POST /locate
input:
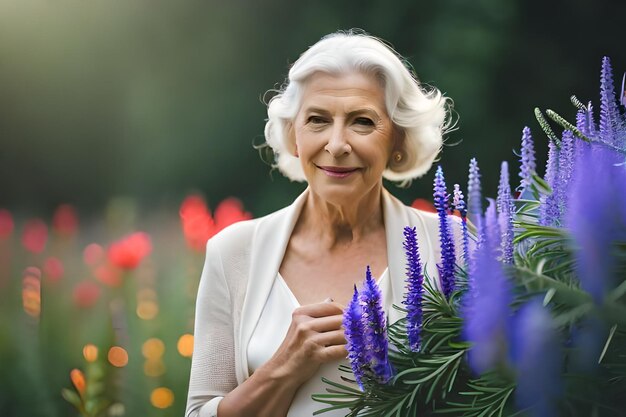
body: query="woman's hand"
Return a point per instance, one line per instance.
(314, 337)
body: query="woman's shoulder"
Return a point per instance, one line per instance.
(240, 236)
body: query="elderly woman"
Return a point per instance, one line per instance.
(269, 306)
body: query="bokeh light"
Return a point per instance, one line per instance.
(185, 345)
(65, 220)
(6, 223)
(108, 275)
(147, 305)
(86, 294)
(116, 410)
(53, 269)
(78, 379)
(162, 397)
(153, 348)
(35, 236)
(93, 254)
(118, 356)
(154, 367)
(147, 310)
(90, 352)
(31, 291)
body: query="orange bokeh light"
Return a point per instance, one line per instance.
(118, 357)
(185, 345)
(78, 379)
(90, 352)
(153, 348)
(162, 397)
(147, 310)
(31, 291)
(154, 368)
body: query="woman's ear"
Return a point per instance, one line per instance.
(398, 153)
(291, 139)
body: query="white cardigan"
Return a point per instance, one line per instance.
(241, 264)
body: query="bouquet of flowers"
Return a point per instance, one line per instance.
(530, 319)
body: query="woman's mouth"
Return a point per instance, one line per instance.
(338, 172)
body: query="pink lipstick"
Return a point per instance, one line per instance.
(338, 172)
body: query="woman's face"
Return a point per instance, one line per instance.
(343, 136)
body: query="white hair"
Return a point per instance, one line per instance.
(419, 113)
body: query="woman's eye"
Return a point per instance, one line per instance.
(316, 120)
(364, 121)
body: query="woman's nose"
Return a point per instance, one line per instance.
(337, 144)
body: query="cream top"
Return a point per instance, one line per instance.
(271, 330)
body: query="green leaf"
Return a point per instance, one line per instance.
(72, 397)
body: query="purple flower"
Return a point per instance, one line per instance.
(609, 114)
(486, 306)
(491, 234)
(505, 214)
(375, 333)
(597, 218)
(537, 359)
(448, 257)
(527, 160)
(474, 194)
(549, 209)
(353, 324)
(566, 169)
(459, 204)
(415, 289)
(591, 124)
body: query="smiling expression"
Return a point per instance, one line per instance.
(343, 136)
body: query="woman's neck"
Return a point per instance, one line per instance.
(340, 224)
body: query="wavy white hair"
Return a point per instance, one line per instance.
(419, 113)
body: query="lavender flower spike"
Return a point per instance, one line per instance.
(549, 209)
(375, 333)
(505, 214)
(459, 204)
(537, 358)
(566, 170)
(415, 289)
(353, 323)
(609, 114)
(527, 160)
(448, 257)
(474, 194)
(486, 310)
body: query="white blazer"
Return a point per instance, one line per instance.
(241, 264)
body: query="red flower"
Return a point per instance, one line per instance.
(53, 269)
(35, 236)
(228, 212)
(108, 275)
(128, 252)
(86, 294)
(424, 205)
(198, 224)
(65, 220)
(6, 223)
(93, 254)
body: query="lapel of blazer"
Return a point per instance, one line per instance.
(267, 251)
(396, 218)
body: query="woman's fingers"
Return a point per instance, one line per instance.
(335, 337)
(320, 309)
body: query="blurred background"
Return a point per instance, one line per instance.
(123, 110)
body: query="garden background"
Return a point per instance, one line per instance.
(112, 114)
